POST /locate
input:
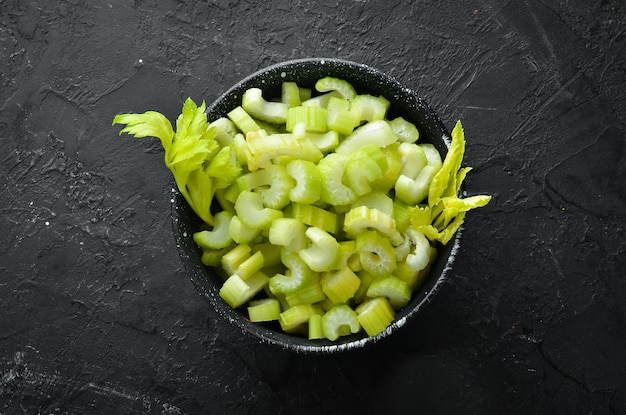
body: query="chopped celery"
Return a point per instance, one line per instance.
(323, 252)
(340, 118)
(378, 133)
(315, 327)
(348, 256)
(413, 159)
(297, 315)
(341, 320)
(333, 190)
(376, 253)
(233, 258)
(377, 200)
(340, 285)
(298, 275)
(375, 315)
(264, 309)
(243, 120)
(277, 195)
(315, 216)
(251, 265)
(406, 131)
(219, 236)
(290, 94)
(310, 294)
(365, 165)
(225, 131)
(308, 181)
(213, 257)
(362, 218)
(236, 291)
(273, 112)
(263, 149)
(250, 209)
(320, 100)
(397, 291)
(366, 279)
(242, 233)
(328, 83)
(314, 118)
(288, 232)
(370, 107)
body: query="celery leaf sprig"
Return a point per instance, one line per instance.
(445, 211)
(198, 163)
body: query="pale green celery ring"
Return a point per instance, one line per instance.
(404, 102)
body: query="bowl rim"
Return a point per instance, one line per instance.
(195, 269)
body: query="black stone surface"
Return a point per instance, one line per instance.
(97, 315)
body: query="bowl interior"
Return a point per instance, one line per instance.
(305, 72)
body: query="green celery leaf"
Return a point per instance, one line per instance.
(148, 124)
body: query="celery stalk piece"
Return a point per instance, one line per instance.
(403, 248)
(397, 291)
(401, 215)
(290, 94)
(370, 107)
(314, 118)
(361, 218)
(315, 216)
(298, 275)
(343, 87)
(323, 252)
(308, 181)
(365, 165)
(419, 258)
(340, 118)
(264, 149)
(394, 167)
(233, 258)
(244, 122)
(320, 100)
(289, 233)
(433, 158)
(273, 112)
(348, 256)
(339, 321)
(406, 131)
(376, 253)
(414, 279)
(295, 316)
(213, 257)
(340, 286)
(251, 265)
(264, 309)
(242, 233)
(376, 200)
(277, 195)
(225, 131)
(325, 142)
(315, 327)
(412, 191)
(310, 294)
(222, 200)
(413, 159)
(250, 209)
(271, 255)
(366, 279)
(236, 291)
(240, 145)
(375, 315)
(218, 237)
(378, 133)
(254, 179)
(334, 192)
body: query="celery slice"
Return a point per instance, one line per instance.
(377, 200)
(334, 192)
(406, 131)
(297, 315)
(378, 133)
(233, 258)
(277, 195)
(420, 256)
(263, 149)
(271, 255)
(314, 118)
(323, 252)
(361, 294)
(298, 275)
(264, 309)
(413, 159)
(362, 218)
(401, 215)
(315, 327)
(250, 209)
(412, 191)
(290, 94)
(375, 315)
(315, 216)
(370, 107)
(308, 181)
(242, 233)
(244, 122)
(310, 294)
(433, 158)
(325, 142)
(252, 180)
(213, 257)
(343, 87)
(251, 265)
(219, 236)
(339, 321)
(348, 256)
(376, 253)
(320, 100)
(364, 166)
(236, 291)
(397, 291)
(225, 131)
(340, 286)
(394, 167)
(273, 112)
(340, 118)
(288, 232)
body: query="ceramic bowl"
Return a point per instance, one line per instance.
(404, 102)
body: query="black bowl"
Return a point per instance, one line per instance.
(306, 72)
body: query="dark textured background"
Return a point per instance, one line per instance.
(97, 315)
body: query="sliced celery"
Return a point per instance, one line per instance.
(406, 131)
(263, 149)
(242, 233)
(375, 315)
(366, 279)
(236, 291)
(233, 258)
(343, 87)
(339, 321)
(219, 236)
(314, 118)
(298, 275)
(378, 133)
(250, 209)
(362, 218)
(264, 309)
(315, 327)
(253, 102)
(413, 159)
(364, 166)
(271, 255)
(225, 131)
(397, 291)
(376, 253)
(295, 316)
(315, 216)
(277, 195)
(394, 167)
(243, 120)
(308, 181)
(251, 265)
(323, 252)
(340, 286)
(340, 118)
(403, 247)
(419, 258)
(372, 108)
(213, 257)
(377, 200)
(433, 157)
(290, 94)
(320, 100)
(402, 215)
(334, 192)
(252, 180)
(310, 294)
(348, 256)
(412, 191)
(288, 232)
(325, 142)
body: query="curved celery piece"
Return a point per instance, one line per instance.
(348, 256)
(340, 286)
(277, 195)
(376, 200)
(339, 321)
(298, 315)
(403, 248)
(433, 158)
(375, 315)
(225, 131)
(263, 149)
(333, 191)
(270, 254)
(366, 279)
(213, 257)
(370, 107)
(236, 291)
(264, 309)
(406, 131)
(397, 291)
(250, 209)
(288, 232)
(412, 191)
(273, 112)
(402, 215)
(320, 100)
(419, 258)
(314, 118)
(308, 181)
(242, 233)
(329, 83)
(326, 142)
(378, 133)
(254, 179)
(244, 122)
(310, 294)
(315, 216)
(364, 166)
(218, 237)
(298, 275)
(235, 257)
(340, 118)
(322, 254)
(361, 218)
(413, 159)
(290, 94)
(251, 265)
(376, 253)
(394, 167)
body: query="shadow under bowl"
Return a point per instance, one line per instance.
(305, 72)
